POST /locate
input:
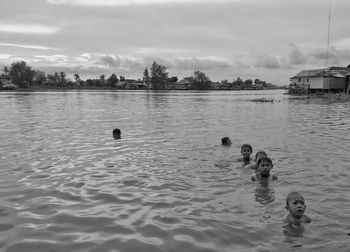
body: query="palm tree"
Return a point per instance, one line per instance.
(77, 79)
(102, 79)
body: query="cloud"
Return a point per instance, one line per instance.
(5, 56)
(335, 55)
(110, 61)
(36, 47)
(60, 59)
(148, 61)
(296, 57)
(342, 43)
(269, 61)
(129, 2)
(27, 29)
(200, 64)
(86, 56)
(125, 63)
(107, 64)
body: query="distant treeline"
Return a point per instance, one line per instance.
(23, 76)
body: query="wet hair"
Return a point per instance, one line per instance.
(258, 153)
(226, 141)
(116, 133)
(266, 159)
(248, 146)
(290, 195)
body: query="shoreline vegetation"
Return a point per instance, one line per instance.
(334, 97)
(20, 76)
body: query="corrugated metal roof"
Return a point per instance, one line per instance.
(308, 73)
(323, 72)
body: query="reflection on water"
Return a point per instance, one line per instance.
(264, 193)
(168, 184)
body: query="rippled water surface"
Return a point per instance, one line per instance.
(168, 184)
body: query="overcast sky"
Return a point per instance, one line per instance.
(266, 39)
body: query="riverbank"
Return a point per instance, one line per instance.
(336, 97)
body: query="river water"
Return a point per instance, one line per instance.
(168, 184)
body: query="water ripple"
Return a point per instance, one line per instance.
(168, 184)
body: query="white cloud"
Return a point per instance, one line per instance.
(269, 61)
(129, 2)
(205, 63)
(29, 46)
(86, 55)
(5, 56)
(159, 51)
(343, 43)
(59, 59)
(296, 57)
(27, 29)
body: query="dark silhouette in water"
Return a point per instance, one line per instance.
(117, 133)
(226, 141)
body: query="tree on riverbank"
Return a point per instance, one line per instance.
(159, 76)
(146, 77)
(21, 74)
(112, 80)
(156, 77)
(199, 80)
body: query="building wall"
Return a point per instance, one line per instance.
(316, 83)
(334, 83)
(320, 82)
(175, 86)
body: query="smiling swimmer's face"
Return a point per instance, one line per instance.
(246, 151)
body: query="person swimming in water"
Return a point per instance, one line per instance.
(117, 133)
(246, 151)
(263, 171)
(226, 141)
(295, 204)
(254, 164)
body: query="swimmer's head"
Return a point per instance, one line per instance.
(226, 141)
(295, 204)
(260, 154)
(264, 166)
(117, 133)
(246, 150)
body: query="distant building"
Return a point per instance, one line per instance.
(183, 84)
(332, 79)
(224, 85)
(6, 83)
(258, 86)
(135, 84)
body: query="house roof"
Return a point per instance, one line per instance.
(183, 81)
(338, 72)
(4, 82)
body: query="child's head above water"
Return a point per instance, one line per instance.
(295, 204)
(264, 166)
(226, 141)
(263, 169)
(246, 150)
(260, 154)
(117, 133)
